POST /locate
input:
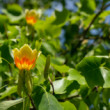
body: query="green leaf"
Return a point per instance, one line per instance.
(61, 17)
(83, 106)
(47, 65)
(88, 6)
(106, 96)
(61, 85)
(45, 28)
(3, 23)
(61, 68)
(75, 75)
(88, 20)
(38, 91)
(49, 48)
(40, 64)
(11, 105)
(0, 60)
(75, 19)
(13, 31)
(53, 31)
(68, 106)
(84, 91)
(90, 69)
(106, 76)
(42, 25)
(6, 53)
(9, 90)
(57, 60)
(13, 18)
(94, 98)
(38, 44)
(14, 9)
(49, 102)
(104, 14)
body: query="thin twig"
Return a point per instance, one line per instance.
(34, 108)
(30, 98)
(95, 89)
(51, 85)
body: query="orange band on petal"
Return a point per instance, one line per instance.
(24, 63)
(31, 20)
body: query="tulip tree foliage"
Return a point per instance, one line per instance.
(55, 55)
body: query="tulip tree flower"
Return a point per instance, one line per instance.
(32, 17)
(25, 58)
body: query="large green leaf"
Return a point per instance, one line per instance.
(90, 68)
(49, 102)
(75, 75)
(11, 105)
(68, 106)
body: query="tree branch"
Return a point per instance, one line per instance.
(95, 17)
